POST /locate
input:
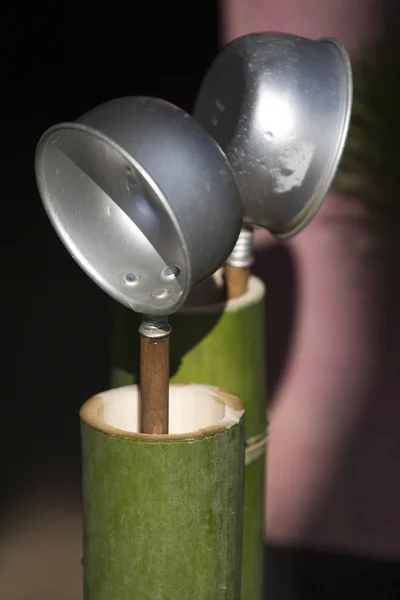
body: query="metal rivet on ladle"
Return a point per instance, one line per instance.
(131, 278)
(170, 272)
(279, 106)
(160, 294)
(126, 182)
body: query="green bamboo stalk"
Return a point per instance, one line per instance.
(220, 344)
(163, 513)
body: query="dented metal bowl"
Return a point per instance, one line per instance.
(279, 105)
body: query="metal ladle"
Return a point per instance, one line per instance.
(279, 105)
(146, 202)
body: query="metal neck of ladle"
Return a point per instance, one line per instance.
(155, 326)
(242, 255)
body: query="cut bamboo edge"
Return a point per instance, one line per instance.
(163, 514)
(215, 302)
(116, 412)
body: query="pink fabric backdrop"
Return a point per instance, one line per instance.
(334, 451)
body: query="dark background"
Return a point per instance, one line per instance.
(56, 63)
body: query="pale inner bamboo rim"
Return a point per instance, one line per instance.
(206, 301)
(194, 412)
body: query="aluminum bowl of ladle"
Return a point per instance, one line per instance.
(279, 105)
(143, 198)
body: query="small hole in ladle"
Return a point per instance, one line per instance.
(131, 278)
(160, 294)
(170, 272)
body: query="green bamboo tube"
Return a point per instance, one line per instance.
(220, 344)
(163, 513)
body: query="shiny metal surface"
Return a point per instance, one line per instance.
(242, 255)
(142, 197)
(155, 327)
(279, 105)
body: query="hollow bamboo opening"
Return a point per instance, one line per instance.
(211, 297)
(194, 412)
